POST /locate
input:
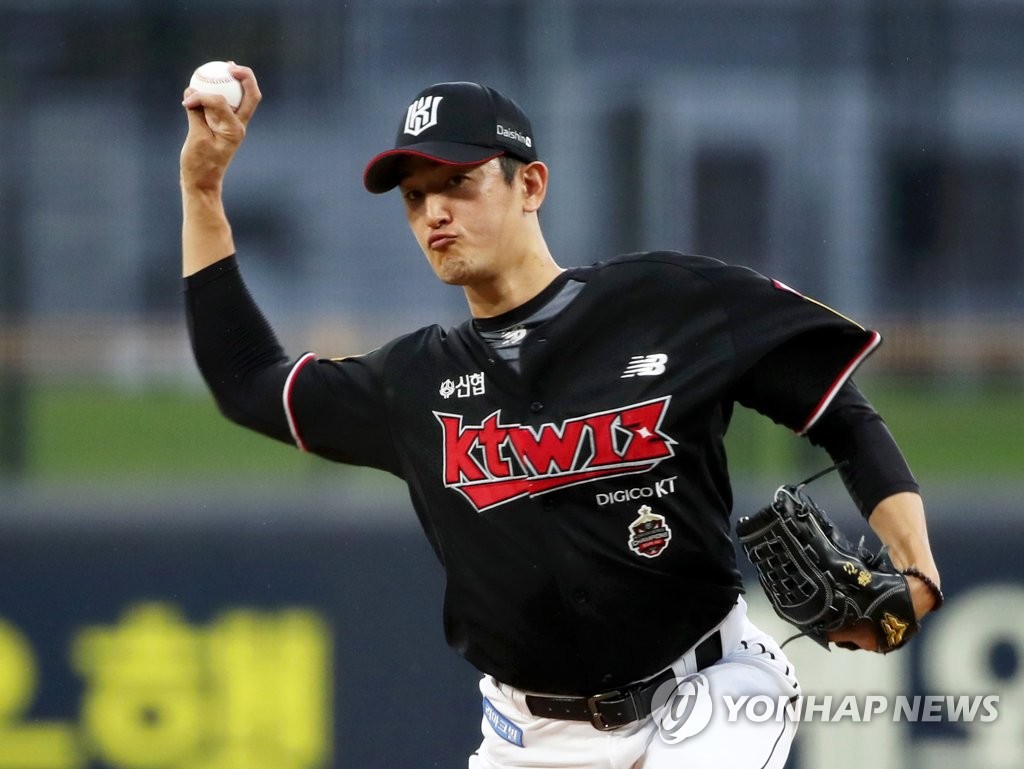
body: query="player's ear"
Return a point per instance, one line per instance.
(534, 181)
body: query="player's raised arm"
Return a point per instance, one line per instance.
(235, 348)
(215, 132)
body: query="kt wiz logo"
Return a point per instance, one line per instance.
(422, 114)
(493, 463)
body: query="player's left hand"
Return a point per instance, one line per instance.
(836, 591)
(863, 636)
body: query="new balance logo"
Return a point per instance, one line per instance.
(645, 365)
(421, 115)
(514, 336)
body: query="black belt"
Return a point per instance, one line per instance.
(610, 710)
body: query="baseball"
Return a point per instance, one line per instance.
(214, 77)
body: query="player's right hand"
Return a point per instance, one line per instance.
(215, 132)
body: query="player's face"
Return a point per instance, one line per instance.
(467, 219)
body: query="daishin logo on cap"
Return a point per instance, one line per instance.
(422, 114)
(514, 135)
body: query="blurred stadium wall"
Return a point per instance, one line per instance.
(176, 593)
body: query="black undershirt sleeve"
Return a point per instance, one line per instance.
(859, 442)
(236, 350)
(797, 373)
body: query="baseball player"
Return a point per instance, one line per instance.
(563, 447)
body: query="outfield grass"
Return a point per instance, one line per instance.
(101, 433)
(105, 434)
(957, 433)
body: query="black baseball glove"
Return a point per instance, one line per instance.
(820, 582)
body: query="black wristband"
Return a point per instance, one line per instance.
(936, 591)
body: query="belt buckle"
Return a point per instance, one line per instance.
(596, 717)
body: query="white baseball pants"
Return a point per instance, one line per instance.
(716, 733)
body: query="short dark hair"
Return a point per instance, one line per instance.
(509, 166)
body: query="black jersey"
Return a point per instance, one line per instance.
(580, 506)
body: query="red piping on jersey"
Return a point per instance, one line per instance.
(286, 397)
(876, 339)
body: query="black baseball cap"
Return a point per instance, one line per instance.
(457, 124)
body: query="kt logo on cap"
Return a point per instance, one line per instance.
(422, 114)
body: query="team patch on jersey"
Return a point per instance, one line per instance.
(501, 725)
(645, 365)
(493, 463)
(649, 533)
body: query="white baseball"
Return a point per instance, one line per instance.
(214, 77)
